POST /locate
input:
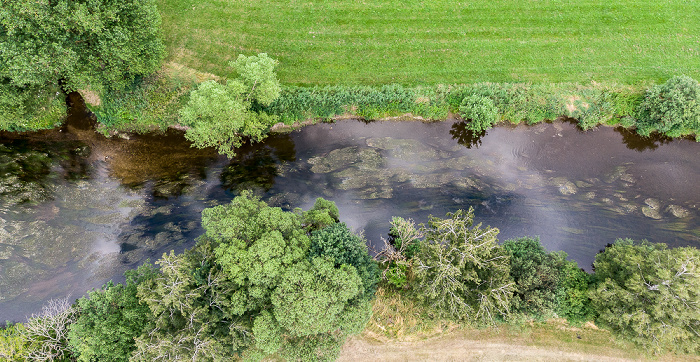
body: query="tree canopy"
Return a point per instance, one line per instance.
(650, 294)
(461, 270)
(67, 45)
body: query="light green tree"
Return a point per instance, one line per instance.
(461, 271)
(650, 294)
(223, 116)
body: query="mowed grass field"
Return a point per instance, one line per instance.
(415, 42)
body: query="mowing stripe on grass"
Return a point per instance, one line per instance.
(428, 42)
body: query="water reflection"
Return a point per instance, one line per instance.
(634, 141)
(257, 166)
(465, 136)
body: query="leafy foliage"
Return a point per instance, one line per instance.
(399, 250)
(13, 344)
(461, 271)
(324, 213)
(108, 321)
(191, 309)
(536, 274)
(98, 44)
(547, 284)
(222, 116)
(339, 245)
(650, 294)
(293, 296)
(573, 298)
(481, 112)
(672, 108)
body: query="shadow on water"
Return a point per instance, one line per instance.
(639, 143)
(465, 136)
(257, 166)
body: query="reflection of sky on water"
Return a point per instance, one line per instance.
(136, 199)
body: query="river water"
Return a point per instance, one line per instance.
(78, 209)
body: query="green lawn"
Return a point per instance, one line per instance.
(429, 42)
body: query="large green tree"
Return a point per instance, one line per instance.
(66, 45)
(650, 294)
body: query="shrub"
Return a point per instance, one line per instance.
(672, 108)
(338, 244)
(536, 276)
(461, 271)
(399, 250)
(13, 344)
(480, 111)
(650, 294)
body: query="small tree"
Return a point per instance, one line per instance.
(650, 294)
(397, 254)
(461, 271)
(339, 245)
(222, 116)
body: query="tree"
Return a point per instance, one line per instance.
(536, 275)
(222, 116)
(109, 320)
(190, 304)
(46, 333)
(397, 255)
(461, 271)
(650, 294)
(70, 45)
(278, 297)
(546, 283)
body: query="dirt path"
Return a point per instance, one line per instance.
(460, 349)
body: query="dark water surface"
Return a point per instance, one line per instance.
(77, 209)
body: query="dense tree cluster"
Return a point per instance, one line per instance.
(50, 47)
(260, 282)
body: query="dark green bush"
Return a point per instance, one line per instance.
(339, 244)
(536, 275)
(109, 320)
(672, 108)
(547, 284)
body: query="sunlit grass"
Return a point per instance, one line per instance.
(428, 42)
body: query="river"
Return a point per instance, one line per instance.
(78, 209)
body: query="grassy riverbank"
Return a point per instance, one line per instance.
(440, 42)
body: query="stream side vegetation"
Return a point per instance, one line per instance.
(266, 283)
(215, 114)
